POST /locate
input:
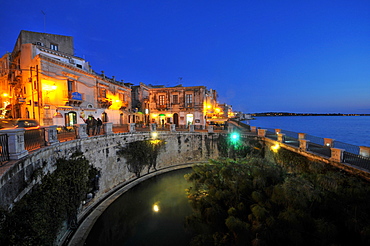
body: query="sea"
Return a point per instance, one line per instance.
(353, 130)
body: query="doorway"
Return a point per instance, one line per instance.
(176, 119)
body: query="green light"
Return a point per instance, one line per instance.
(234, 136)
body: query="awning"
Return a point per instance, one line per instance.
(67, 108)
(162, 115)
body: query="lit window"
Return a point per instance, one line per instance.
(161, 100)
(188, 98)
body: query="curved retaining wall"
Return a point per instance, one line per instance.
(180, 148)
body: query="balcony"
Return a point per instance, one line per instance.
(73, 98)
(124, 105)
(104, 103)
(162, 107)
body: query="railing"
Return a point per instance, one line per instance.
(351, 153)
(66, 133)
(356, 160)
(319, 149)
(119, 128)
(271, 133)
(314, 139)
(4, 150)
(34, 139)
(347, 147)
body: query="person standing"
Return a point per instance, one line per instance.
(93, 125)
(88, 125)
(99, 123)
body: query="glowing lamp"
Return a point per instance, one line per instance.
(156, 208)
(57, 115)
(154, 135)
(234, 136)
(275, 148)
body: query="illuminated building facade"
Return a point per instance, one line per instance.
(181, 105)
(5, 104)
(48, 83)
(140, 104)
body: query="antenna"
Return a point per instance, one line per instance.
(44, 20)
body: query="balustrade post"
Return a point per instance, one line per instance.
(254, 129)
(337, 154)
(51, 134)
(261, 132)
(210, 129)
(153, 127)
(108, 128)
(277, 131)
(301, 135)
(303, 144)
(365, 151)
(132, 127)
(280, 137)
(16, 145)
(191, 128)
(80, 130)
(173, 127)
(329, 142)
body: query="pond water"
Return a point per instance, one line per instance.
(151, 213)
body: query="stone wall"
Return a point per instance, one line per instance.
(101, 151)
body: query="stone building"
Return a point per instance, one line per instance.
(140, 103)
(181, 105)
(49, 83)
(5, 105)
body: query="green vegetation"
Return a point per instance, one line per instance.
(233, 146)
(141, 154)
(39, 216)
(249, 201)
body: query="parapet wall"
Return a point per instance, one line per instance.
(101, 151)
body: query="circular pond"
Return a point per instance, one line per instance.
(151, 213)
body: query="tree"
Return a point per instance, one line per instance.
(141, 154)
(250, 201)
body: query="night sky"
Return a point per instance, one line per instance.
(291, 56)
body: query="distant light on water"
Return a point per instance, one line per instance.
(156, 208)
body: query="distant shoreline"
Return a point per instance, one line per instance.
(303, 114)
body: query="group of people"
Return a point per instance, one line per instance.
(93, 125)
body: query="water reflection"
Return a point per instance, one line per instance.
(151, 213)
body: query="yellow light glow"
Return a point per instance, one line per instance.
(116, 103)
(209, 106)
(275, 148)
(217, 110)
(155, 141)
(169, 115)
(5, 95)
(156, 208)
(154, 135)
(154, 115)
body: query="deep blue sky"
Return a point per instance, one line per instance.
(295, 56)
